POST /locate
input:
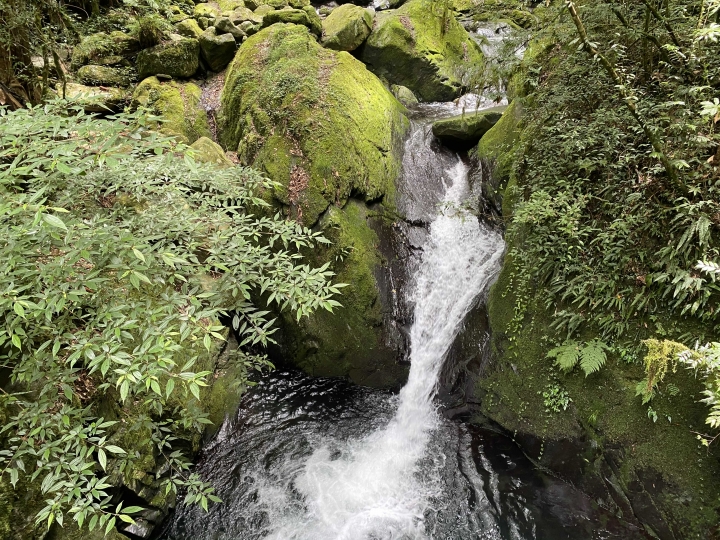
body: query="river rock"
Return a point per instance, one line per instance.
(217, 50)
(465, 130)
(346, 28)
(206, 10)
(223, 25)
(103, 76)
(95, 99)
(178, 103)
(415, 46)
(404, 95)
(208, 151)
(263, 10)
(189, 28)
(230, 5)
(179, 57)
(306, 17)
(324, 127)
(104, 49)
(241, 15)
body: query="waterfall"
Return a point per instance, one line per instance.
(370, 489)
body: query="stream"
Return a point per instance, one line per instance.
(321, 459)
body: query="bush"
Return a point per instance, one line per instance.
(122, 258)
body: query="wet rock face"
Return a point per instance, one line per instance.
(424, 49)
(464, 131)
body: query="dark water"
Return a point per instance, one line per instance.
(489, 490)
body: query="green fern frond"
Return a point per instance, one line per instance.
(593, 357)
(566, 355)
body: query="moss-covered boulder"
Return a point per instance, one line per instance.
(230, 5)
(496, 151)
(404, 95)
(423, 48)
(179, 57)
(104, 49)
(346, 28)
(206, 10)
(178, 103)
(205, 150)
(94, 98)
(263, 10)
(189, 28)
(217, 49)
(349, 342)
(306, 17)
(315, 120)
(465, 130)
(224, 25)
(104, 76)
(241, 15)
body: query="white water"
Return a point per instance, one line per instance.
(370, 488)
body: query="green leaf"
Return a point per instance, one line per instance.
(114, 449)
(54, 221)
(169, 386)
(139, 255)
(102, 458)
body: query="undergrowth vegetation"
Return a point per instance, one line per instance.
(124, 264)
(618, 175)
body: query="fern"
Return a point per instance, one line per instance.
(593, 356)
(566, 355)
(590, 355)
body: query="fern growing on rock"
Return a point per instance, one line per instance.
(590, 355)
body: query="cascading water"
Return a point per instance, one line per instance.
(320, 459)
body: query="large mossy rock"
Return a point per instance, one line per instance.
(465, 130)
(95, 99)
(330, 133)
(104, 49)
(179, 57)
(346, 28)
(104, 76)
(313, 119)
(205, 150)
(305, 16)
(178, 103)
(418, 47)
(217, 49)
(496, 151)
(351, 341)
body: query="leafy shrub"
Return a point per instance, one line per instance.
(123, 262)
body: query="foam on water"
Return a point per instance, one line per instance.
(369, 488)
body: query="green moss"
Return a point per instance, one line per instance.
(207, 151)
(497, 149)
(604, 407)
(315, 120)
(346, 28)
(304, 17)
(347, 342)
(207, 10)
(466, 129)
(189, 28)
(96, 47)
(177, 58)
(230, 5)
(178, 103)
(420, 47)
(103, 75)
